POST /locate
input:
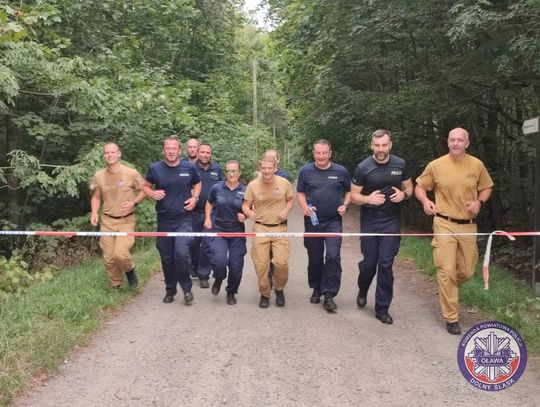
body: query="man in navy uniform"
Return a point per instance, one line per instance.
(175, 186)
(279, 171)
(324, 189)
(210, 174)
(380, 183)
(192, 153)
(192, 150)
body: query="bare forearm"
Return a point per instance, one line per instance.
(420, 194)
(485, 194)
(95, 203)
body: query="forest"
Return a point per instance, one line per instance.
(76, 73)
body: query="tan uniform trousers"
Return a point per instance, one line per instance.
(116, 249)
(260, 253)
(455, 259)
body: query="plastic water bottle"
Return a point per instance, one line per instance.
(313, 216)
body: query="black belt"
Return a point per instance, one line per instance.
(271, 224)
(458, 221)
(118, 217)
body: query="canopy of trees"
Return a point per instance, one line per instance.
(418, 68)
(76, 73)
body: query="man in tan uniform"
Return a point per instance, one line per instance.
(268, 200)
(462, 185)
(117, 189)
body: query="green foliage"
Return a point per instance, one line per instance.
(76, 73)
(418, 69)
(15, 278)
(62, 179)
(38, 329)
(133, 73)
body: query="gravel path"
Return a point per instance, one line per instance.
(213, 354)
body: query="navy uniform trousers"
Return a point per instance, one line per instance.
(174, 253)
(200, 250)
(228, 252)
(324, 269)
(379, 253)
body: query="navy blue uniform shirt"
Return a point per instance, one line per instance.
(324, 189)
(209, 177)
(283, 173)
(227, 203)
(372, 176)
(177, 182)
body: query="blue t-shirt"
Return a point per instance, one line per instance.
(209, 177)
(177, 182)
(283, 173)
(372, 176)
(324, 189)
(227, 203)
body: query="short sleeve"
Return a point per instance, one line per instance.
(94, 183)
(358, 176)
(301, 182)
(248, 196)
(346, 183)
(426, 179)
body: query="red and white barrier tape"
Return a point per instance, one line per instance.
(228, 234)
(487, 255)
(485, 266)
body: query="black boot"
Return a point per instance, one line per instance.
(264, 302)
(280, 298)
(231, 300)
(361, 299)
(132, 279)
(216, 286)
(329, 303)
(316, 296)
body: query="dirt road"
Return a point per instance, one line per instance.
(213, 354)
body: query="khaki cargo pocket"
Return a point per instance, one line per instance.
(437, 253)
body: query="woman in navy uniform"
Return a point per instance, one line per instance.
(223, 213)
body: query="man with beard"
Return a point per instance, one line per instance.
(380, 183)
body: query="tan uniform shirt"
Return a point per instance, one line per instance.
(269, 199)
(455, 183)
(116, 188)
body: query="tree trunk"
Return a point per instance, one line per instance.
(13, 182)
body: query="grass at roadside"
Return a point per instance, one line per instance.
(38, 329)
(508, 300)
